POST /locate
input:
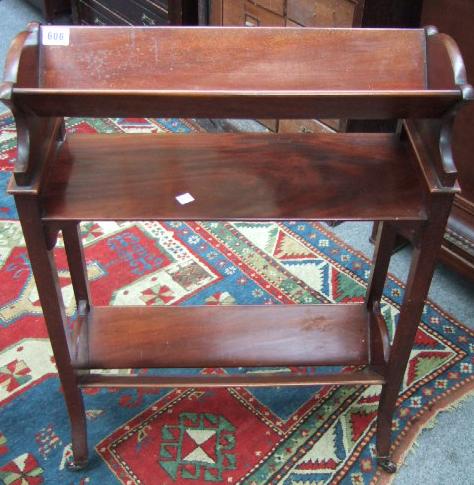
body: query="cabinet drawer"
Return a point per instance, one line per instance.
(243, 12)
(90, 12)
(303, 126)
(276, 6)
(152, 11)
(154, 4)
(322, 13)
(137, 12)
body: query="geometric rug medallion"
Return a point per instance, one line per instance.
(298, 436)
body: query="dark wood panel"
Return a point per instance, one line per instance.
(455, 17)
(246, 13)
(90, 13)
(322, 13)
(226, 336)
(230, 104)
(234, 176)
(457, 250)
(137, 13)
(391, 13)
(52, 8)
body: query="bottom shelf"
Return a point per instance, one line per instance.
(364, 377)
(223, 336)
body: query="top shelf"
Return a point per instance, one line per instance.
(235, 59)
(232, 72)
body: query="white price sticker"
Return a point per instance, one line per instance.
(185, 198)
(55, 35)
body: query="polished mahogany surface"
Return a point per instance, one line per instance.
(233, 176)
(231, 72)
(226, 336)
(226, 59)
(407, 181)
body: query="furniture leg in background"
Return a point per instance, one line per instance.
(71, 232)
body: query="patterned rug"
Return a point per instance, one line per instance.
(298, 436)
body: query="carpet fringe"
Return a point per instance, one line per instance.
(433, 421)
(410, 444)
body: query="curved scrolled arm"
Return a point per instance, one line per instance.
(35, 134)
(445, 70)
(10, 78)
(11, 75)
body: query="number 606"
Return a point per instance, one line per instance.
(55, 36)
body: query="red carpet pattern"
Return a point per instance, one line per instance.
(298, 436)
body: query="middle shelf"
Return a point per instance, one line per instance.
(113, 337)
(233, 176)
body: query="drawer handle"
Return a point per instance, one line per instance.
(147, 20)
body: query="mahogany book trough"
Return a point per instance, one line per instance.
(404, 180)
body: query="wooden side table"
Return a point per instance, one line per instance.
(405, 180)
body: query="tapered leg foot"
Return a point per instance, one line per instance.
(77, 465)
(386, 464)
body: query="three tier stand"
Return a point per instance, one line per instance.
(405, 180)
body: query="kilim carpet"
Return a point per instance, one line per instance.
(298, 436)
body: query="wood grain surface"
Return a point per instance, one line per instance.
(233, 176)
(226, 336)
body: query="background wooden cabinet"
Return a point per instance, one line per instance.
(317, 13)
(52, 8)
(456, 17)
(290, 13)
(136, 12)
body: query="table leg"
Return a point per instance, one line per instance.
(49, 291)
(419, 279)
(76, 261)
